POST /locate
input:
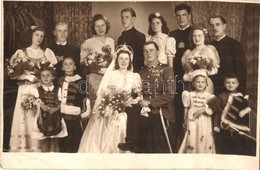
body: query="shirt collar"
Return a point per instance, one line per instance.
(48, 88)
(61, 43)
(184, 28)
(221, 37)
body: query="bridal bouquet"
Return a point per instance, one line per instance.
(114, 102)
(28, 103)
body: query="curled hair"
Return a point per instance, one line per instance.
(129, 67)
(129, 9)
(96, 18)
(180, 7)
(202, 27)
(165, 28)
(27, 35)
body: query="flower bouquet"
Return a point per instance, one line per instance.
(97, 61)
(114, 102)
(29, 103)
(206, 59)
(21, 69)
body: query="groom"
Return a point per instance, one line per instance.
(157, 90)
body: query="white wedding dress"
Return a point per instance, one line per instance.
(103, 135)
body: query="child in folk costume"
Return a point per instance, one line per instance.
(72, 92)
(231, 120)
(197, 114)
(49, 125)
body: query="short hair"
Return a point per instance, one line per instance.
(165, 28)
(223, 20)
(69, 57)
(129, 9)
(153, 43)
(129, 67)
(202, 27)
(231, 76)
(99, 17)
(60, 23)
(182, 7)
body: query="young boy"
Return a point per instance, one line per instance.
(50, 124)
(229, 141)
(72, 91)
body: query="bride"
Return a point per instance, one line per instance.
(104, 131)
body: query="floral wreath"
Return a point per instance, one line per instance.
(125, 48)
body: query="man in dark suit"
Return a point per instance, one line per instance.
(62, 49)
(158, 93)
(181, 35)
(231, 53)
(132, 37)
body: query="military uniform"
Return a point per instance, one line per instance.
(158, 88)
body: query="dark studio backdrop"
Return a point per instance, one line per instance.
(242, 21)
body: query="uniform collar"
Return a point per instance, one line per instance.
(71, 78)
(152, 67)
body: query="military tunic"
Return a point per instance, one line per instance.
(157, 87)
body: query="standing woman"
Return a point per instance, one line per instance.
(107, 124)
(202, 56)
(95, 54)
(33, 53)
(158, 32)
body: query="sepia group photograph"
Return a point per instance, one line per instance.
(129, 84)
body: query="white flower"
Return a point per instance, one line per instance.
(157, 14)
(205, 31)
(33, 27)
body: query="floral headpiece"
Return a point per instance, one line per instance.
(201, 72)
(205, 31)
(33, 27)
(125, 48)
(45, 64)
(157, 14)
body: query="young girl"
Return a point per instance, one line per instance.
(197, 117)
(49, 123)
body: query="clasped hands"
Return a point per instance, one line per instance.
(198, 113)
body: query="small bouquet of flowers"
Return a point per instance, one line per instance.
(29, 103)
(113, 103)
(21, 69)
(206, 59)
(194, 62)
(100, 59)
